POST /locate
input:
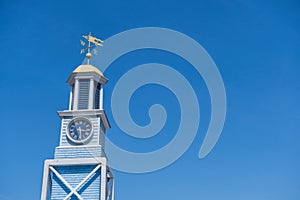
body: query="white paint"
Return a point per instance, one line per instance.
(91, 94)
(76, 93)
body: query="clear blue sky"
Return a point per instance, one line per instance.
(255, 45)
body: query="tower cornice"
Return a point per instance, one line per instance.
(94, 112)
(86, 75)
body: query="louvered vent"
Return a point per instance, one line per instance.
(97, 96)
(83, 97)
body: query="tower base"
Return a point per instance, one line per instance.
(78, 178)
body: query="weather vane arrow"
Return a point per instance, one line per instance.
(92, 42)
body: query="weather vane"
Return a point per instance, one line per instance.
(95, 42)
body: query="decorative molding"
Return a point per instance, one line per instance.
(83, 146)
(86, 75)
(76, 161)
(94, 112)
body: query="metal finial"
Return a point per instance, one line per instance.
(95, 42)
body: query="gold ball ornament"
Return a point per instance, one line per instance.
(88, 55)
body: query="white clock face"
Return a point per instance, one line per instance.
(79, 130)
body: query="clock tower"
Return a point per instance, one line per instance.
(79, 169)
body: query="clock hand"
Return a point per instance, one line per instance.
(80, 132)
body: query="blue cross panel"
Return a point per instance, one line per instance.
(74, 175)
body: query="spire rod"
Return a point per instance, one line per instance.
(92, 42)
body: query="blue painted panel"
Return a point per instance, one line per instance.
(74, 175)
(78, 152)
